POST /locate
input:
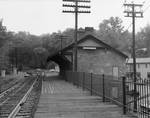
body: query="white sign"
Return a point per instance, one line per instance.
(89, 48)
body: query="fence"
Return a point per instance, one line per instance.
(138, 99)
(119, 91)
(102, 85)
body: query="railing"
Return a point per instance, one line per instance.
(108, 87)
(117, 90)
(138, 101)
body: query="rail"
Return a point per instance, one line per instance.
(8, 90)
(17, 108)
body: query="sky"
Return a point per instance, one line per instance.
(45, 16)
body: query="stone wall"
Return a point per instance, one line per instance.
(100, 61)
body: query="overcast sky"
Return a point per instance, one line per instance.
(45, 16)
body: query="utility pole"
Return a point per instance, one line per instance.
(16, 57)
(134, 11)
(76, 10)
(61, 38)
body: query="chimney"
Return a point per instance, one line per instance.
(82, 32)
(89, 29)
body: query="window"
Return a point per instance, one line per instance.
(145, 65)
(138, 75)
(138, 65)
(148, 75)
(131, 76)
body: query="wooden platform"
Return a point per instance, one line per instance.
(60, 99)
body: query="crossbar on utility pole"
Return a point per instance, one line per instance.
(76, 10)
(134, 14)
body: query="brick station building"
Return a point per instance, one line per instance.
(95, 56)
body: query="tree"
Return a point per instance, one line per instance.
(69, 33)
(4, 60)
(41, 56)
(2, 33)
(3, 46)
(21, 51)
(112, 32)
(143, 40)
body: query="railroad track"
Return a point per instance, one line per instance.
(8, 84)
(21, 99)
(28, 108)
(8, 90)
(5, 81)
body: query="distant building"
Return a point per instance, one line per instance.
(142, 67)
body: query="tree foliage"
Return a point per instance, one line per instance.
(143, 42)
(32, 51)
(112, 32)
(3, 46)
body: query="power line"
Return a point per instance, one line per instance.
(144, 2)
(146, 8)
(143, 12)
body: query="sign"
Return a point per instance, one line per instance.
(89, 48)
